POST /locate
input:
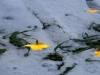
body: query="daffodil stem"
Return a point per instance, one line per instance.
(37, 41)
(28, 50)
(26, 54)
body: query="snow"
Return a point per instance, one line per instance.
(66, 19)
(97, 2)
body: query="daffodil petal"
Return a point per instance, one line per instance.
(44, 46)
(28, 45)
(92, 11)
(97, 53)
(37, 46)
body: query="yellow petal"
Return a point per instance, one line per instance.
(35, 47)
(92, 11)
(44, 46)
(38, 46)
(97, 53)
(28, 45)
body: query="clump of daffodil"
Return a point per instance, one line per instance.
(97, 52)
(93, 10)
(37, 45)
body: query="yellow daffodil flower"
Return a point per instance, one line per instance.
(37, 45)
(97, 52)
(92, 11)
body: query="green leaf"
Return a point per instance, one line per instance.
(79, 40)
(2, 51)
(18, 42)
(14, 35)
(97, 27)
(55, 49)
(68, 69)
(89, 60)
(95, 43)
(45, 26)
(2, 44)
(59, 66)
(80, 50)
(26, 34)
(91, 26)
(28, 30)
(4, 37)
(61, 47)
(54, 57)
(91, 37)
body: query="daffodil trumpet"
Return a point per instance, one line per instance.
(93, 10)
(97, 52)
(37, 45)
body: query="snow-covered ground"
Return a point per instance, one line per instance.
(63, 19)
